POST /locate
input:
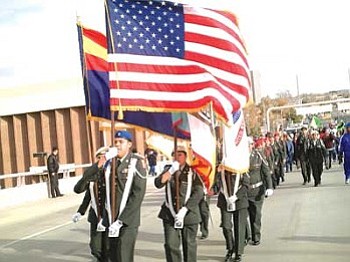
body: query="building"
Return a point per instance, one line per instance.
(35, 118)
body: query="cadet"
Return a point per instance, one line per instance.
(180, 215)
(316, 152)
(93, 183)
(233, 204)
(205, 213)
(281, 147)
(260, 186)
(270, 157)
(130, 188)
(277, 158)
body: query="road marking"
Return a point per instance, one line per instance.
(36, 234)
(153, 192)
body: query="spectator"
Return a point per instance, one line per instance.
(290, 153)
(52, 168)
(344, 149)
(328, 140)
(152, 161)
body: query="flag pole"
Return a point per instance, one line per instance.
(115, 65)
(113, 182)
(177, 175)
(120, 115)
(87, 112)
(85, 79)
(227, 175)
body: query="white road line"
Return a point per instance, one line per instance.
(59, 226)
(36, 234)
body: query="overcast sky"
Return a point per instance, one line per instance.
(284, 38)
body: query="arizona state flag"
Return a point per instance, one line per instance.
(93, 57)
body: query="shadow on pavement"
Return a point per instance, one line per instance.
(150, 237)
(46, 250)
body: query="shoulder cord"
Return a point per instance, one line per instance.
(132, 170)
(129, 180)
(93, 197)
(169, 199)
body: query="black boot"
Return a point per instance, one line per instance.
(228, 257)
(238, 258)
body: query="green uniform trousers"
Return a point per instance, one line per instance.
(122, 247)
(205, 213)
(172, 243)
(234, 222)
(254, 210)
(98, 243)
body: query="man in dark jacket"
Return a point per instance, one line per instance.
(316, 152)
(151, 156)
(180, 211)
(52, 168)
(302, 146)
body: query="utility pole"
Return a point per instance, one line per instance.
(349, 78)
(298, 94)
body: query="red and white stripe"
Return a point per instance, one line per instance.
(214, 69)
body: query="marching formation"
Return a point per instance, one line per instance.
(114, 215)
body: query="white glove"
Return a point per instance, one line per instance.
(112, 152)
(76, 217)
(181, 214)
(174, 167)
(100, 227)
(115, 228)
(232, 199)
(268, 192)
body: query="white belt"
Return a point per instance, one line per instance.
(256, 185)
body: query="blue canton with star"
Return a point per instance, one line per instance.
(154, 28)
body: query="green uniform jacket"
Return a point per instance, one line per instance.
(317, 151)
(132, 211)
(270, 157)
(259, 171)
(242, 201)
(193, 215)
(277, 154)
(91, 174)
(283, 150)
(302, 146)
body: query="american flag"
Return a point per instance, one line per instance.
(165, 57)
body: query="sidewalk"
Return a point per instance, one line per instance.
(11, 197)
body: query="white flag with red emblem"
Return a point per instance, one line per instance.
(235, 145)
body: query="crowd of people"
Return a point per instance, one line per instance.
(115, 218)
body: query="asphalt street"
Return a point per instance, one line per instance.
(300, 223)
